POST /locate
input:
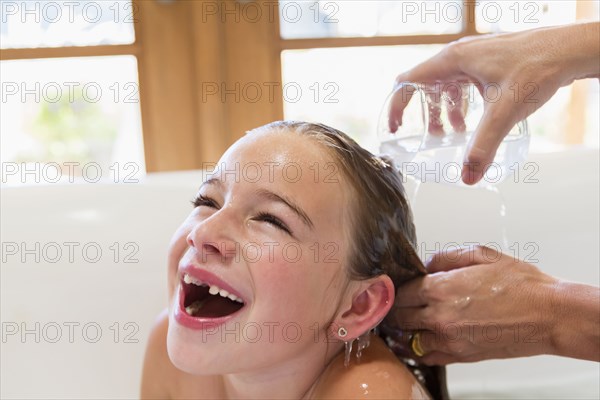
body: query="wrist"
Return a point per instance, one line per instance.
(576, 310)
(547, 295)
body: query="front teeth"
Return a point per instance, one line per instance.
(213, 289)
(188, 279)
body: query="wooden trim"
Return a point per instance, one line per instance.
(255, 67)
(275, 37)
(166, 73)
(71, 51)
(211, 118)
(469, 20)
(298, 44)
(147, 126)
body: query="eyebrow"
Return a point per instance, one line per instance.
(275, 197)
(211, 181)
(288, 202)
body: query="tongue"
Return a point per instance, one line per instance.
(213, 307)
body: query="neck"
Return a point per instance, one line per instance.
(291, 379)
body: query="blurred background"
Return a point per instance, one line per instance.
(169, 85)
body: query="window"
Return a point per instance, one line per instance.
(70, 92)
(169, 84)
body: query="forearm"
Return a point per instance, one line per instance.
(577, 51)
(576, 327)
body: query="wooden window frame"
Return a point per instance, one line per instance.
(181, 54)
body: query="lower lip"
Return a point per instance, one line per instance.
(184, 319)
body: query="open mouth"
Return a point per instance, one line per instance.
(201, 300)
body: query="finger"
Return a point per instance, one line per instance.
(441, 358)
(456, 106)
(440, 67)
(437, 358)
(495, 124)
(461, 257)
(435, 126)
(411, 294)
(428, 342)
(398, 103)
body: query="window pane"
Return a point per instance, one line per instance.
(346, 88)
(27, 24)
(61, 116)
(511, 16)
(325, 18)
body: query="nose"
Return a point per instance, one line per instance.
(214, 238)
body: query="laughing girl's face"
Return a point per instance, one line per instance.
(257, 269)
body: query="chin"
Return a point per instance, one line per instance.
(195, 354)
(188, 355)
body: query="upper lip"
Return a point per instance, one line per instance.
(208, 278)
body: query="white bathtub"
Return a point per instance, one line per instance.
(103, 310)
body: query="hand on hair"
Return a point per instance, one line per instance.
(479, 304)
(515, 73)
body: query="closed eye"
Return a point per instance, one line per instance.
(273, 220)
(201, 200)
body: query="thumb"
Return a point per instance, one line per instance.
(495, 124)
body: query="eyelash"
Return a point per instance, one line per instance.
(201, 200)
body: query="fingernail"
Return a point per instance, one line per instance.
(471, 174)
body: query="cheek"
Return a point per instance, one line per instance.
(296, 290)
(177, 249)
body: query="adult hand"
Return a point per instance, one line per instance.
(479, 304)
(524, 69)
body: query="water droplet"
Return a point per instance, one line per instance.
(363, 342)
(365, 388)
(348, 352)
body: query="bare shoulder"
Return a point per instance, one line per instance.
(379, 374)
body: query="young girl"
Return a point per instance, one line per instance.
(292, 252)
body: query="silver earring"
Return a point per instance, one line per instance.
(342, 332)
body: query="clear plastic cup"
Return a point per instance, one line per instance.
(436, 127)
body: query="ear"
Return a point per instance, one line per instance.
(368, 303)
